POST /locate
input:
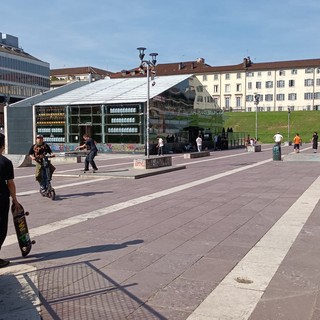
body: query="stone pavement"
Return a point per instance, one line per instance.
(232, 236)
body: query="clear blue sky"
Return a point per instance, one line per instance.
(106, 33)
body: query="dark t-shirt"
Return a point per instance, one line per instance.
(39, 151)
(6, 173)
(91, 145)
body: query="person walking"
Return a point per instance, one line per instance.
(199, 143)
(90, 145)
(314, 141)
(296, 143)
(160, 146)
(278, 138)
(7, 189)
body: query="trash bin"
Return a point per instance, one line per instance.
(276, 152)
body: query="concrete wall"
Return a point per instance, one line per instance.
(19, 129)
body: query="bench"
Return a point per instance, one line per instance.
(72, 156)
(152, 163)
(256, 148)
(196, 154)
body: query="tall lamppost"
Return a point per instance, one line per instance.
(289, 112)
(256, 102)
(149, 64)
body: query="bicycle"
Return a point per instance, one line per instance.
(46, 178)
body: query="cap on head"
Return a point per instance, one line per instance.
(39, 136)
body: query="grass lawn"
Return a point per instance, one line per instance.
(302, 122)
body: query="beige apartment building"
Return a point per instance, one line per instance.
(270, 86)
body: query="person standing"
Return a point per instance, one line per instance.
(7, 189)
(160, 146)
(90, 145)
(199, 143)
(246, 142)
(314, 141)
(296, 143)
(278, 138)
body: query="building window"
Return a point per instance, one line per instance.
(239, 75)
(269, 73)
(318, 82)
(204, 77)
(238, 87)
(215, 77)
(318, 70)
(292, 96)
(308, 82)
(308, 96)
(280, 97)
(216, 88)
(309, 70)
(280, 84)
(227, 102)
(227, 88)
(291, 83)
(294, 71)
(258, 85)
(268, 97)
(269, 84)
(249, 98)
(259, 73)
(227, 76)
(250, 74)
(238, 102)
(317, 95)
(249, 85)
(199, 98)
(282, 73)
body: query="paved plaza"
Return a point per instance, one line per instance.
(231, 236)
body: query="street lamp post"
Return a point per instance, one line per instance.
(149, 64)
(256, 102)
(289, 112)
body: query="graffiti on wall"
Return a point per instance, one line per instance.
(102, 147)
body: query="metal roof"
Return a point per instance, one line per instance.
(35, 100)
(112, 91)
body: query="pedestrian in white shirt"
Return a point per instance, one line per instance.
(278, 138)
(199, 143)
(160, 146)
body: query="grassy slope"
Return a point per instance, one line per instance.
(303, 122)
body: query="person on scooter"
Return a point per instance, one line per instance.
(37, 152)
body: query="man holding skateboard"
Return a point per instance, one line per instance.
(7, 189)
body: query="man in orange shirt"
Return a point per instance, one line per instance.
(296, 143)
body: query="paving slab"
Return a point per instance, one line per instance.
(126, 173)
(161, 247)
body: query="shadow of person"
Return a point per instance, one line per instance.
(78, 195)
(52, 255)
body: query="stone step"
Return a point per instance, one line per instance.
(19, 160)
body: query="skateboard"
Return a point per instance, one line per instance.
(20, 224)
